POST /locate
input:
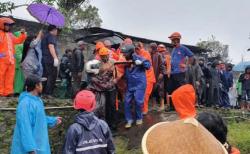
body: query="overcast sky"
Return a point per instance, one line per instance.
(227, 20)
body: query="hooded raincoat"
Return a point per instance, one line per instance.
(7, 60)
(88, 135)
(184, 101)
(19, 78)
(31, 130)
(150, 76)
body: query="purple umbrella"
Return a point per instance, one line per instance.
(46, 14)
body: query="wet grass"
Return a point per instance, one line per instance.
(121, 144)
(239, 136)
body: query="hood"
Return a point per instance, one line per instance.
(248, 67)
(4, 20)
(87, 120)
(27, 94)
(184, 101)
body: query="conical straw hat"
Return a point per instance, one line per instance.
(180, 137)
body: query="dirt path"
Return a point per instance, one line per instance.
(135, 134)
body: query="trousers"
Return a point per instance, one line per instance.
(49, 72)
(7, 73)
(148, 92)
(136, 96)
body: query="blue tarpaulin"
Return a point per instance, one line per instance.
(240, 67)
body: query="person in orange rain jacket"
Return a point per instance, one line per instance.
(95, 54)
(150, 76)
(7, 53)
(120, 68)
(184, 101)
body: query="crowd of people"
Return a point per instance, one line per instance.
(130, 74)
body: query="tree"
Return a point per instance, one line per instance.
(215, 48)
(85, 16)
(78, 13)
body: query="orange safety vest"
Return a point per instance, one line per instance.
(7, 43)
(150, 75)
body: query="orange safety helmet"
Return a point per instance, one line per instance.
(99, 45)
(5, 20)
(85, 100)
(175, 35)
(103, 51)
(184, 101)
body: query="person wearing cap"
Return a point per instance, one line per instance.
(135, 75)
(50, 60)
(224, 86)
(150, 76)
(95, 54)
(166, 71)
(205, 80)
(214, 84)
(178, 61)
(7, 53)
(78, 65)
(103, 84)
(194, 76)
(214, 123)
(31, 130)
(88, 134)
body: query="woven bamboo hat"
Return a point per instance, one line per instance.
(186, 136)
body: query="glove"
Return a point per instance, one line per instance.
(138, 62)
(95, 71)
(56, 62)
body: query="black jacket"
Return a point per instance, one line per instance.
(65, 67)
(77, 61)
(245, 80)
(88, 135)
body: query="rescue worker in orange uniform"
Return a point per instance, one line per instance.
(118, 57)
(7, 53)
(150, 76)
(95, 54)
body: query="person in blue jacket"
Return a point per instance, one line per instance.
(31, 130)
(136, 83)
(181, 57)
(88, 134)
